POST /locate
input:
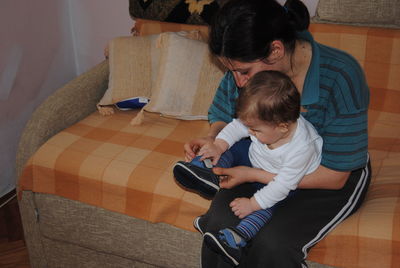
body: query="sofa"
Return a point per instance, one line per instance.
(98, 191)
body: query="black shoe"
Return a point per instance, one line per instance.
(201, 180)
(218, 243)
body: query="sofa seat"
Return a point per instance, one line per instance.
(108, 163)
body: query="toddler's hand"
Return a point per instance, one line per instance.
(192, 147)
(242, 207)
(210, 150)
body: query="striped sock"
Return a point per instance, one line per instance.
(252, 223)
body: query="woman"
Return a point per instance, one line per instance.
(249, 36)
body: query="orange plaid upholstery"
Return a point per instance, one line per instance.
(106, 162)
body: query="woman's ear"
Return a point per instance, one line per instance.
(277, 51)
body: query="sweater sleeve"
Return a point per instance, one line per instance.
(223, 105)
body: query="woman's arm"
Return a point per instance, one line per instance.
(234, 176)
(215, 128)
(321, 178)
(324, 178)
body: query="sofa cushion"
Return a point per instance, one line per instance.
(104, 161)
(187, 79)
(133, 66)
(134, 63)
(383, 13)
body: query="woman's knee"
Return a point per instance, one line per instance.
(220, 214)
(274, 245)
(269, 249)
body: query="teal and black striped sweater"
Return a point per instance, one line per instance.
(335, 98)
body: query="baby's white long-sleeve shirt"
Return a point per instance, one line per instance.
(291, 161)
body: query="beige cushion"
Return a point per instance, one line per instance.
(133, 66)
(380, 13)
(187, 78)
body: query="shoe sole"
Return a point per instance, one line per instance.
(215, 245)
(198, 184)
(197, 225)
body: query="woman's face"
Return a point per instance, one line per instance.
(243, 71)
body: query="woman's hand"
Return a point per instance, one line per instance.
(192, 147)
(242, 207)
(231, 177)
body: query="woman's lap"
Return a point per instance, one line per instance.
(297, 224)
(220, 214)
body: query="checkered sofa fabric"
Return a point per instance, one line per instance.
(106, 162)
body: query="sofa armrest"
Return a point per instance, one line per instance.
(66, 106)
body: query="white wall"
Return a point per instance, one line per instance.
(43, 45)
(94, 23)
(36, 55)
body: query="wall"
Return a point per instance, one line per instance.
(94, 23)
(36, 54)
(311, 5)
(43, 45)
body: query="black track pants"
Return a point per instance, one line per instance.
(296, 225)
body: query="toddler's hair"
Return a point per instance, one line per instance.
(269, 96)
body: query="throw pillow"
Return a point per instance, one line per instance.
(187, 78)
(133, 65)
(133, 62)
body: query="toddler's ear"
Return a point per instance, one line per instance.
(283, 127)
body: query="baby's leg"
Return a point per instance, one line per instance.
(252, 223)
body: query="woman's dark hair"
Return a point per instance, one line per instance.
(269, 96)
(244, 29)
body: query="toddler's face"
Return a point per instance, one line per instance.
(265, 133)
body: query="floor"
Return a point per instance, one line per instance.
(13, 252)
